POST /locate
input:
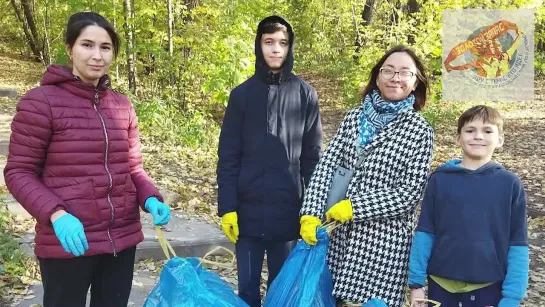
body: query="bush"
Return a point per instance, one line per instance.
(14, 263)
(442, 113)
(161, 123)
(539, 64)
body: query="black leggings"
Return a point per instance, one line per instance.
(66, 281)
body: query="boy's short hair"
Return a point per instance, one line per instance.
(273, 27)
(485, 113)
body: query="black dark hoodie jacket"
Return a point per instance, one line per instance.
(269, 145)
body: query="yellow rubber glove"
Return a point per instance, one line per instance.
(229, 225)
(309, 224)
(341, 211)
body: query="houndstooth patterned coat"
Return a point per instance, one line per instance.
(368, 257)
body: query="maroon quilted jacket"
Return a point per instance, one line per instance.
(76, 147)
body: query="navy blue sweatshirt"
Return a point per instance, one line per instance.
(475, 216)
(269, 145)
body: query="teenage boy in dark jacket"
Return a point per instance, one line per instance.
(269, 144)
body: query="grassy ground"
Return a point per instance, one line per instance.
(17, 270)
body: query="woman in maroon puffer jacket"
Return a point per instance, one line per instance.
(75, 164)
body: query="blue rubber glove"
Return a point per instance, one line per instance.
(69, 231)
(159, 211)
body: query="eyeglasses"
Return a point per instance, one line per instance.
(404, 75)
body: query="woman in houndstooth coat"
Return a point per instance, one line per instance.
(368, 255)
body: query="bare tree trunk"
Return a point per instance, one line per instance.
(26, 30)
(358, 43)
(366, 20)
(191, 4)
(128, 8)
(27, 10)
(133, 31)
(47, 44)
(540, 44)
(323, 15)
(367, 13)
(412, 8)
(186, 52)
(394, 17)
(114, 3)
(170, 44)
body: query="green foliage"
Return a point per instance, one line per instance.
(11, 36)
(539, 63)
(443, 113)
(213, 48)
(391, 25)
(161, 123)
(13, 260)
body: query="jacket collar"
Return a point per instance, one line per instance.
(63, 77)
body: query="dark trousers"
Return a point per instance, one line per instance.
(250, 255)
(66, 281)
(484, 297)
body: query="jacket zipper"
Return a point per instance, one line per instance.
(263, 197)
(110, 181)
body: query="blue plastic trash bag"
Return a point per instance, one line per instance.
(304, 279)
(185, 283)
(375, 303)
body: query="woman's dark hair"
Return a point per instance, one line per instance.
(422, 87)
(79, 21)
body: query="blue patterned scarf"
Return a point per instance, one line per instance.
(377, 113)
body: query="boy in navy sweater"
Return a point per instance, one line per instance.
(471, 239)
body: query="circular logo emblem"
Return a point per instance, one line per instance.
(492, 56)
